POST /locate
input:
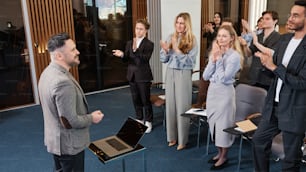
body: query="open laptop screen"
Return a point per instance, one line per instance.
(131, 132)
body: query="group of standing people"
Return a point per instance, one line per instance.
(67, 118)
(278, 65)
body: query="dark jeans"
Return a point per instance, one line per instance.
(69, 163)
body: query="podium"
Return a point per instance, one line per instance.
(106, 159)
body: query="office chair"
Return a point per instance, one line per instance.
(249, 103)
(249, 100)
(158, 100)
(196, 83)
(200, 88)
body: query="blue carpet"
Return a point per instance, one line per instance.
(22, 148)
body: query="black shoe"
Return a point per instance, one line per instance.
(212, 160)
(219, 167)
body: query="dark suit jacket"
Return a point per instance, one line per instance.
(258, 73)
(292, 101)
(139, 69)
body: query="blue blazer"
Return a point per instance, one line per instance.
(292, 98)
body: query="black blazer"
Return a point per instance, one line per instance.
(292, 101)
(139, 69)
(258, 73)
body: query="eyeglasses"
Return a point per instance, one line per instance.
(293, 16)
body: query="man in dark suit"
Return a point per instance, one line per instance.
(285, 107)
(138, 53)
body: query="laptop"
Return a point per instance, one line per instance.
(124, 141)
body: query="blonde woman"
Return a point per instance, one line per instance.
(225, 60)
(179, 53)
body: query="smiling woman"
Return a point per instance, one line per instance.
(179, 52)
(224, 63)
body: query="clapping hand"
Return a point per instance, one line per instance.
(266, 60)
(164, 45)
(216, 52)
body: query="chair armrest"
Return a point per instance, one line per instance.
(254, 115)
(156, 100)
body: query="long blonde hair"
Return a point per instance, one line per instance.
(187, 40)
(235, 44)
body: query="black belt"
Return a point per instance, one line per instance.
(275, 104)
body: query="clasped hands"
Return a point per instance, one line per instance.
(97, 116)
(216, 52)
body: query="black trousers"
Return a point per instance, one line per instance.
(69, 163)
(262, 142)
(141, 100)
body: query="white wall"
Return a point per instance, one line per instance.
(256, 7)
(170, 9)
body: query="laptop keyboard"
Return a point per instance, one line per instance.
(116, 144)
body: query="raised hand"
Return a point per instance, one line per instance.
(266, 60)
(117, 53)
(164, 45)
(216, 51)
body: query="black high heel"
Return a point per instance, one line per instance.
(212, 160)
(219, 167)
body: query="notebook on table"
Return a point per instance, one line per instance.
(245, 126)
(124, 141)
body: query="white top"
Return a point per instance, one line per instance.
(293, 44)
(138, 41)
(197, 111)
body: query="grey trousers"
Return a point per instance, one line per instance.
(178, 101)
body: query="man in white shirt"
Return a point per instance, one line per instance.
(285, 106)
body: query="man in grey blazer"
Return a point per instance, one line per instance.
(285, 107)
(65, 109)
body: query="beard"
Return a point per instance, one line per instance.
(74, 62)
(296, 26)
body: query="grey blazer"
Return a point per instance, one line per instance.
(292, 101)
(65, 110)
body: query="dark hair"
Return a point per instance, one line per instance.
(57, 41)
(144, 22)
(300, 3)
(274, 14)
(220, 14)
(260, 18)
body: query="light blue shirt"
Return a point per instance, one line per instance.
(179, 60)
(223, 71)
(247, 37)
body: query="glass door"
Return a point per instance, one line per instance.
(15, 72)
(100, 27)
